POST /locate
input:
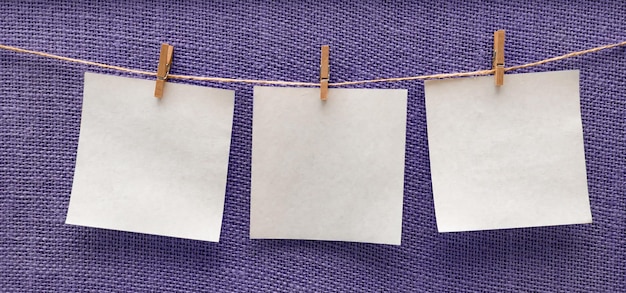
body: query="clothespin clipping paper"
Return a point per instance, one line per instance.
(165, 63)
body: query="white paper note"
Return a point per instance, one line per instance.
(148, 165)
(509, 156)
(329, 170)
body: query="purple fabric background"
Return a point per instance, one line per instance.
(40, 106)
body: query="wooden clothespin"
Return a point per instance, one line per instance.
(498, 56)
(165, 62)
(324, 72)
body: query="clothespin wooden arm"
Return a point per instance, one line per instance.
(165, 63)
(324, 72)
(498, 56)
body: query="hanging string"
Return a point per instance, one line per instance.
(297, 83)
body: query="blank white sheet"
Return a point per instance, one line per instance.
(330, 170)
(148, 165)
(509, 156)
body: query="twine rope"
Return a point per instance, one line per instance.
(297, 83)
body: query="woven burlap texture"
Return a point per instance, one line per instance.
(40, 107)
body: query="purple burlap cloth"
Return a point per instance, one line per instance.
(40, 107)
